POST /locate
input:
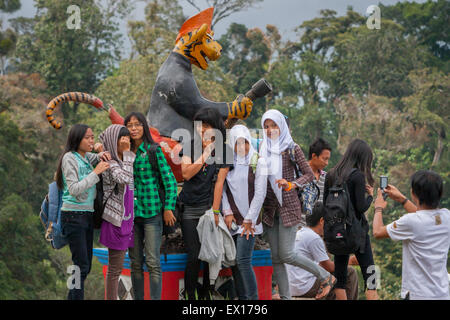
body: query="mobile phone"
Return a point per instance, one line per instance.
(383, 182)
(383, 185)
(234, 226)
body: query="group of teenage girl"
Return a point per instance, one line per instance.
(256, 192)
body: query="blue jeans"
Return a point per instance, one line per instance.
(79, 229)
(147, 246)
(243, 274)
(281, 240)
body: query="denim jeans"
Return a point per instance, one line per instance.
(147, 246)
(281, 240)
(79, 229)
(243, 274)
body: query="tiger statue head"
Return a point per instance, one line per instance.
(195, 40)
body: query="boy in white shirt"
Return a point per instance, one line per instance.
(425, 235)
(309, 243)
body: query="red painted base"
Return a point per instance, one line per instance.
(171, 282)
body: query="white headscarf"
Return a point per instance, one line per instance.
(239, 173)
(271, 149)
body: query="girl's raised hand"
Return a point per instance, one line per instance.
(98, 147)
(105, 156)
(101, 167)
(124, 143)
(369, 190)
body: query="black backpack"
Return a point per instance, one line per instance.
(343, 231)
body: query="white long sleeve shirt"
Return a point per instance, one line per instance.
(253, 209)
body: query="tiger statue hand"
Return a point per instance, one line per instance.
(240, 108)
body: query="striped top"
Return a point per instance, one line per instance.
(321, 184)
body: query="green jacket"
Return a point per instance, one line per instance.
(146, 184)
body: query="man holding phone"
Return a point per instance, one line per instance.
(425, 234)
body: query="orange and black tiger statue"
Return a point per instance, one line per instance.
(176, 97)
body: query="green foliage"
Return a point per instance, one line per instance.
(71, 59)
(9, 6)
(428, 22)
(12, 160)
(8, 39)
(246, 56)
(24, 253)
(376, 61)
(223, 9)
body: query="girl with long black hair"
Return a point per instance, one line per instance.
(204, 168)
(355, 170)
(148, 206)
(77, 178)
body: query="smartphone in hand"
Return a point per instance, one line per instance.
(383, 185)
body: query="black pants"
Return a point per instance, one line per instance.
(365, 261)
(192, 242)
(79, 229)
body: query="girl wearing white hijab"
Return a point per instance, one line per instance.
(282, 208)
(242, 199)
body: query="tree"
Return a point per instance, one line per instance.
(429, 106)
(24, 254)
(246, 56)
(376, 61)
(156, 35)
(428, 22)
(10, 6)
(72, 59)
(8, 39)
(318, 39)
(30, 147)
(15, 169)
(224, 8)
(29, 150)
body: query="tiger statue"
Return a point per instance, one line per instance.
(176, 97)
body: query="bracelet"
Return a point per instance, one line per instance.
(217, 212)
(404, 201)
(289, 188)
(378, 208)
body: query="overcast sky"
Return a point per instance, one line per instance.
(286, 15)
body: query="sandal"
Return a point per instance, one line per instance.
(326, 287)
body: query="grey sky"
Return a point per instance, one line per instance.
(284, 14)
